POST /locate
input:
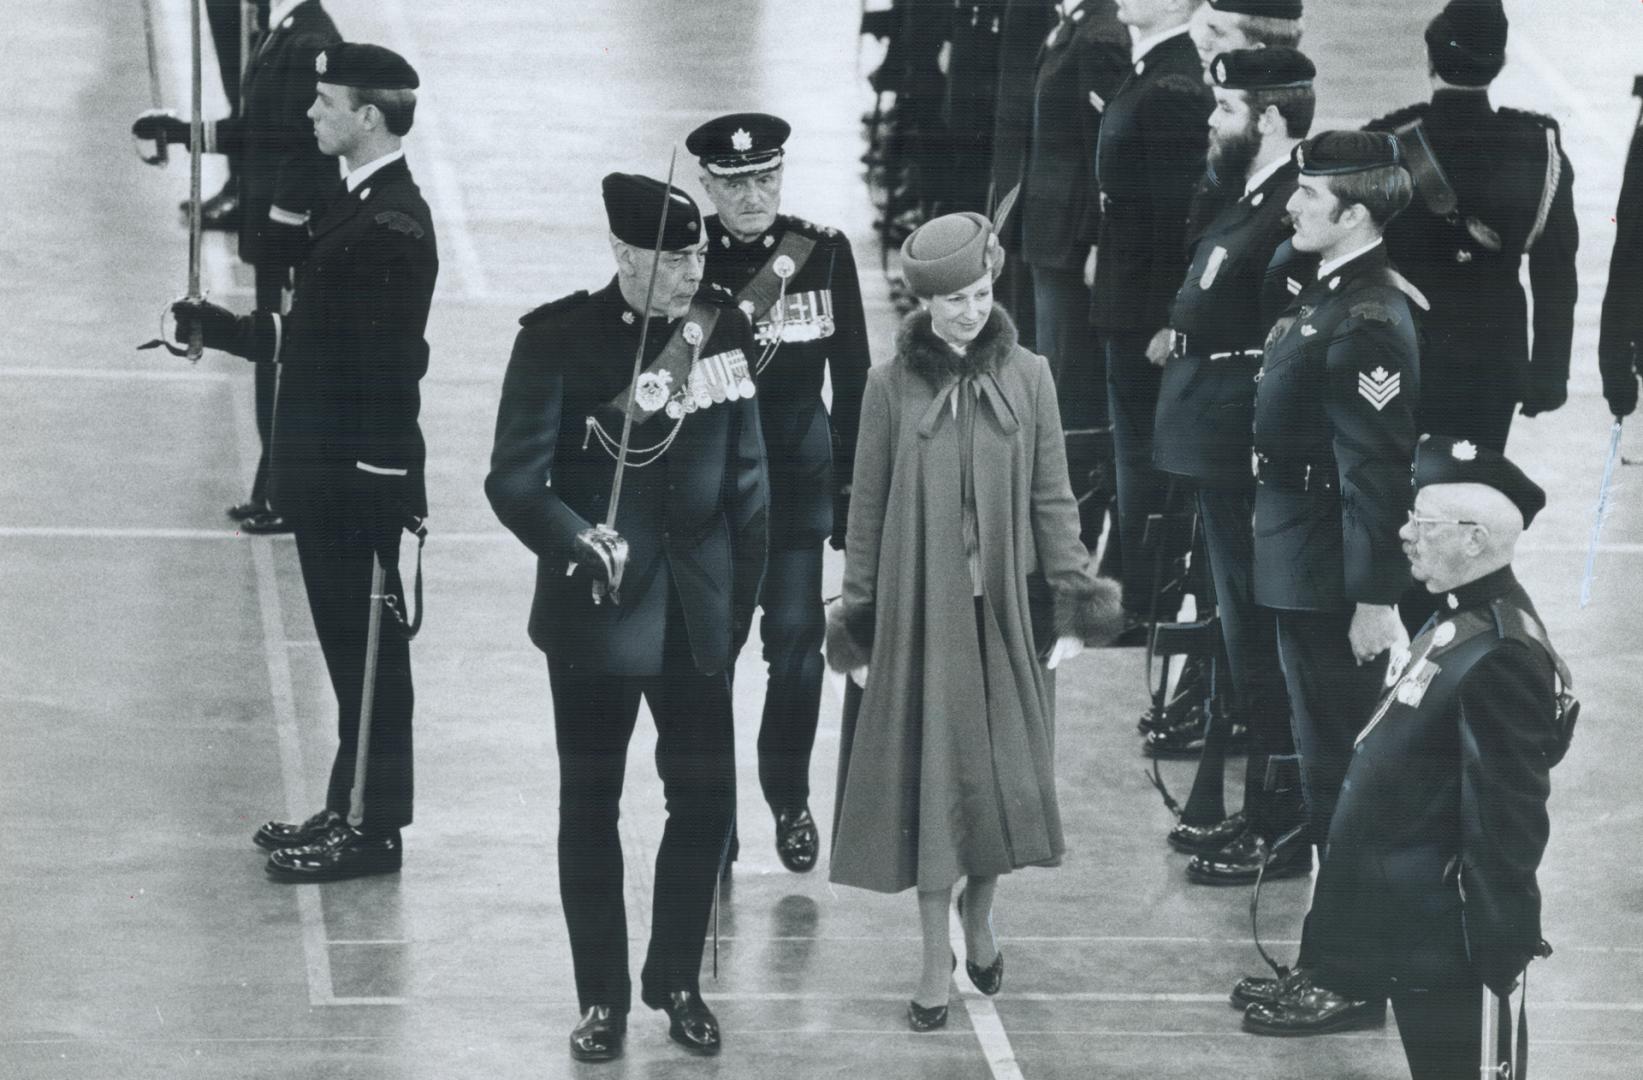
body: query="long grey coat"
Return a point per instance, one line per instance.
(948, 769)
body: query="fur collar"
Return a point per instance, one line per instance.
(927, 355)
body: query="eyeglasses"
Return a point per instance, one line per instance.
(1416, 519)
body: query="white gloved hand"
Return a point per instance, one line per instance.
(1065, 649)
(859, 676)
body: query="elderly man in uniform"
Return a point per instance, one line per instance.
(1264, 105)
(1492, 185)
(797, 281)
(657, 604)
(1428, 893)
(348, 465)
(1334, 437)
(1226, 25)
(284, 181)
(1149, 158)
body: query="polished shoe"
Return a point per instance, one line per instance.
(1313, 1011)
(344, 852)
(599, 1036)
(264, 523)
(986, 979)
(246, 509)
(1207, 839)
(1186, 737)
(1256, 989)
(281, 834)
(690, 1023)
(797, 840)
(1239, 863)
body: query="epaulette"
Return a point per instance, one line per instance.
(536, 315)
(1540, 120)
(809, 228)
(1375, 311)
(1398, 118)
(399, 222)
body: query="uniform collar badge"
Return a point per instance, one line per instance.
(1452, 600)
(1335, 282)
(1260, 197)
(1308, 331)
(747, 308)
(366, 194)
(724, 241)
(1140, 67)
(627, 317)
(768, 240)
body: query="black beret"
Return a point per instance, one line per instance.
(368, 67)
(633, 206)
(1336, 153)
(739, 143)
(1262, 69)
(1467, 42)
(1272, 9)
(1440, 459)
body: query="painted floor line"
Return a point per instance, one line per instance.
(989, 1029)
(189, 374)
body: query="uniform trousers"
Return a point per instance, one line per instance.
(1251, 636)
(1442, 1032)
(1061, 301)
(594, 714)
(792, 628)
(272, 281)
(336, 571)
(1143, 491)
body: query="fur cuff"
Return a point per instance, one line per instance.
(1093, 613)
(845, 652)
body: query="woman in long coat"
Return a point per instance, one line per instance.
(962, 528)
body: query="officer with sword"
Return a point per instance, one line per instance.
(628, 457)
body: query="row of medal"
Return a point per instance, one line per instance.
(713, 380)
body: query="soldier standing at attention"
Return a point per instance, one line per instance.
(1429, 891)
(797, 282)
(1264, 105)
(348, 466)
(1334, 437)
(1225, 25)
(1622, 327)
(1492, 185)
(1148, 161)
(657, 605)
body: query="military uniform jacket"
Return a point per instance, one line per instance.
(1428, 879)
(1206, 402)
(1147, 164)
(694, 520)
(352, 352)
(1335, 435)
(1622, 327)
(1080, 67)
(280, 164)
(1511, 177)
(823, 331)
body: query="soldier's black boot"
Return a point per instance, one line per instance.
(1313, 1010)
(599, 1035)
(796, 839)
(1190, 690)
(1240, 861)
(1210, 838)
(281, 834)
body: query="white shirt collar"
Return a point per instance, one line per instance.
(280, 10)
(1258, 178)
(1143, 46)
(1325, 269)
(365, 171)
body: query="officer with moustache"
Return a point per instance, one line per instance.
(1429, 894)
(797, 282)
(657, 605)
(1334, 437)
(1493, 186)
(347, 468)
(1264, 105)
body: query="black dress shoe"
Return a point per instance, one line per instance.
(797, 839)
(1240, 862)
(921, 1019)
(245, 510)
(986, 979)
(599, 1036)
(281, 834)
(264, 523)
(1254, 989)
(1313, 1011)
(344, 852)
(690, 1023)
(1207, 839)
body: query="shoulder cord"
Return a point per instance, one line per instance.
(1554, 176)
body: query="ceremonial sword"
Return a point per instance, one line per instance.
(160, 154)
(196, 146)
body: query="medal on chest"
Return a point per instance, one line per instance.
(801, 316)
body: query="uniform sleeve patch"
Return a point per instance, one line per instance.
(401, 223)
(1375, 311)
(1379, 387)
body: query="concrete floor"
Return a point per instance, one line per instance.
(161, 692)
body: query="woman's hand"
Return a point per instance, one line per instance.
(1065, 649)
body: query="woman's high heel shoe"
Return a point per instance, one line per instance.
(933, 1018)
(987, 979)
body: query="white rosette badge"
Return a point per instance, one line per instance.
(651, 391)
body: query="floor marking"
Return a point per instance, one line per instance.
(429, 144)
(87, 532)
(989, 1029)
(368, 941)
(114, 374)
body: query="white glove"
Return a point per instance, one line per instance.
(859, 676)
(1065, 649)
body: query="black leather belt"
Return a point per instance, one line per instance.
(1180, 349)
(1294, 475)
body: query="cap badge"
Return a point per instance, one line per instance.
(741, 140)
(693, 333)
(320, 63)
(783, 266)
(1444, 634)
(1465, 451)
(651, 391)
(690, 226)
(1220, 71)
(627, 317)
(747, 308)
